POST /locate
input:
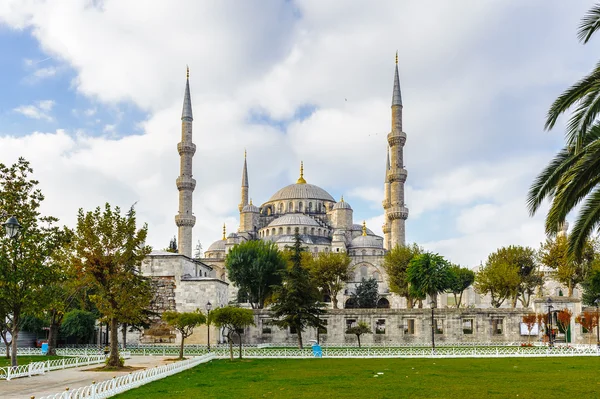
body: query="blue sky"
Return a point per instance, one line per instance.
(91, 94)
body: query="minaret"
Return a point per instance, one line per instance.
(396, 212)
(244, 185)
(386, 200)
(185, 220)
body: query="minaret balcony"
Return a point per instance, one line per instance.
(398, 212)
(397, 175)
(395, 138)
(186, 148)
(185, 183)
(185, 220)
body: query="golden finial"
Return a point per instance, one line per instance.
(187, 71)
(364, 228)
(342, 200)
(301, 178)
(396, 57)
(224, 238)
(250, 201)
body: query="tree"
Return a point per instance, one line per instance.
(395, 263)
(588, 320)
(297, 300)
(568, 270)
(529, 319)
(234, 320)
(367, 294)
(509, 273)
(184, 323)
(255, 268)
(358, 330)
(429, 274)
(198, 251)
(108, 250)
(329, 270)
(461, 278)
(563, 319)
(591, 286)
(172, 246)
(79, 324)
(26, 262)
(572, 176)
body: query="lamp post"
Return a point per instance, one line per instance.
(432, 325)
(597, 302)
(549, 325)
(12, 227)
(208, 308)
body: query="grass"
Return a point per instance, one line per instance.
(576, 377)
(27, 359)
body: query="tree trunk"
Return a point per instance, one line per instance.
(181, 347)
(124, 326)
(113, 360)
(240, 338)
(459, 299)
(13, 349)
(358, 336)
(570, 289)
(335, 301)
(7, 349)
(513, 303)
(52, 337)
(456, 301)
(230, 346)
(409, 302)
(420, 304)
(299, 338)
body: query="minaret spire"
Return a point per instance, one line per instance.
(245, 185)
(185, 220)
(396, 212)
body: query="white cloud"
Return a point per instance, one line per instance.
(38, 111)
(475, 92)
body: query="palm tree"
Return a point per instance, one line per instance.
(573, 175)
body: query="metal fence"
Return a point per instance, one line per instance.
(37, 368)
(108, 388)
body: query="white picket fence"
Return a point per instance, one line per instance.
(36, 368)
(108, 388)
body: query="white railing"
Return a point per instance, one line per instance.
(36, 368)
(108, 388)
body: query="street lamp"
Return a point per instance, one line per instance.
(12, 227)
(549, 325)
(597, 302)
(208, 308)
(432, 325)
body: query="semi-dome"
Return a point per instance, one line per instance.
(294, 219)
(250, 208)
(217, 246)
(301, 191)
(366, 242)
(342, 205)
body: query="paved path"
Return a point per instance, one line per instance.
(56, 381)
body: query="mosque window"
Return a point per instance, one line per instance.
(289, 230)
(326, 250)
(312, 231)
(364, 252)
(319, 232)
(305, 230)
(267, 232)
(318, 206)
(280, 230)
(291, 207)
(300, 205)
(310, 207)
(363, 272)
(280, 208)
(273, 232)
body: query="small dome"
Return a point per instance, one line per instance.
(232, 235)
(366, 242)
(250, 208)
(294, 219)
(342, 205)
(217, 246)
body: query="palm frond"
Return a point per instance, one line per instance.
(589, 84)
(587, 220)
(583, 117)
(590, 23)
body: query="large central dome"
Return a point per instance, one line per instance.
(301, 191)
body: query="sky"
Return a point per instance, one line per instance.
(91, 94)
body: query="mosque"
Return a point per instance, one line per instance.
(325, 225)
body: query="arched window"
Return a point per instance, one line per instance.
(300, 206)
(280, 207)
(350, 303)
(363, 252)
(290, 206)
(312, 231)
(305, 230)
(383, 303)
(319, 232)
(363, 272)
(273, 232)
(280, 230)
(267, 232)
(327, 249)
(310, 207)
(289, 230)
(318, 206)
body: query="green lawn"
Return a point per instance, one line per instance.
(27, 359)
(402, 378)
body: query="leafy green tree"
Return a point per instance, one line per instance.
(108, 251)
(395, 263)
(297, 303)
(429, 274)
(367, 294)
(329, 270)
(509, 273)
(255, 268)
(360, 329)
(568, 270)
(79, 324)
(172, 246)
(185, 323)
(572, 176)
(26, 262)
(234, 320)
(461, 278)
(591, 286)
